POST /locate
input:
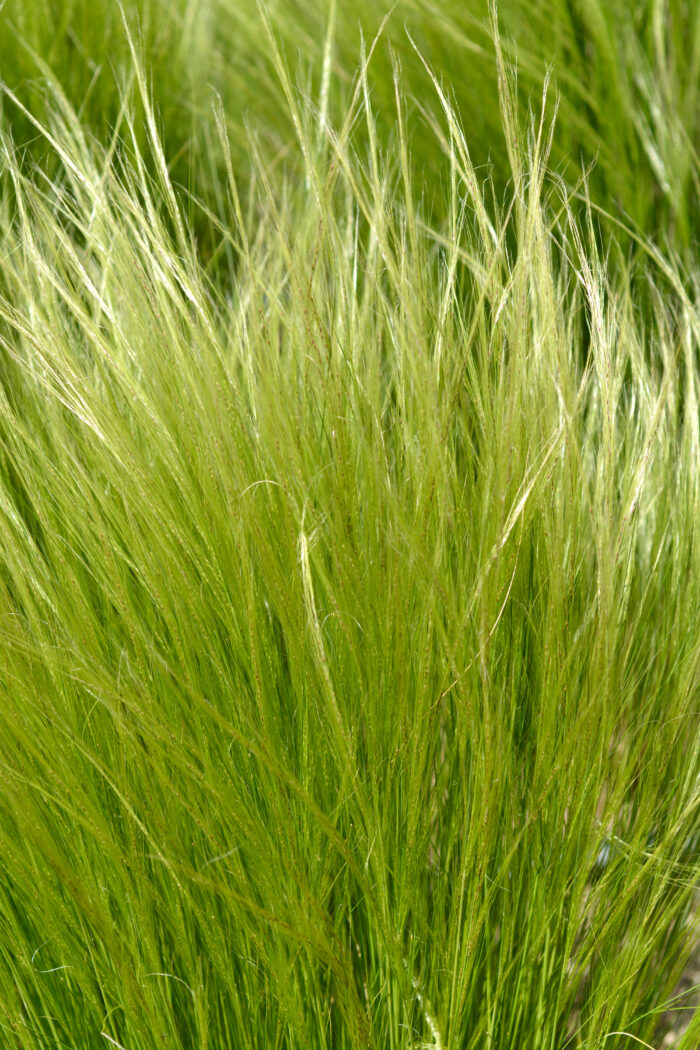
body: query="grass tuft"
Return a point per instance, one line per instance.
(349, 582)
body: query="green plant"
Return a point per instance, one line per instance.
(350, 592)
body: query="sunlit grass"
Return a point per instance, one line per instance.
(349, 580)
(627, 75)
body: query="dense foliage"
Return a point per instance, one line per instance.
(349, 504)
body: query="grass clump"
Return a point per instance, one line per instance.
(350, 589)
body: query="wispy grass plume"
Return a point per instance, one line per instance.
(349, 588)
